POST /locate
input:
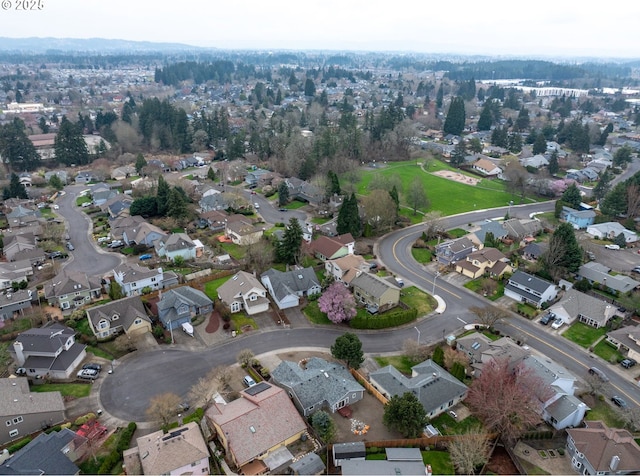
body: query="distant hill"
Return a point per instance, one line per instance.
(89, 45)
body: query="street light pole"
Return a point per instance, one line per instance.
(418, 330)
(171, 330)
(435, 276)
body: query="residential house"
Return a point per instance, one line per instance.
(332, 247)
(436, 389)
(214, 201)
(346, 268)
(286, 288)
(486, 167)
(398, 461)
(597, 449)
(179, 305)
(25, 179)
(304, 191)
(519, 228)
(243, 232)
(526, 288)
(309, 464)
(50, 350)
(72, 289)
(14, 272)
(124, 172)
(627, 340)
(14, 302)
(253, 177)
(142, 233)
(35, 256)
(86, 177)
(214, 219)
(176, 245)
(533, 251)
(244, 291)
(16, 243)
(376, 294)
(158, 164)
(101, 192)
(182, 450)
(490, 226)
(575, 305)
(135, 279)
(537, 161)
(580, 219)
(610, 230)
(20, 214)
(482, 350)
(117, 206)
(315, 383)
(598, 275)
(126, 315)
(452, 251)
(61, 174)
(487, 260)
(263, 421)
(47, 453)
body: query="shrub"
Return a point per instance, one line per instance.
(19, 445)
(226, 326)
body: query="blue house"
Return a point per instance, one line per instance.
(580, 219)
(179, 305)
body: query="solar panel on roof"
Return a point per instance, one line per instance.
(257, 388)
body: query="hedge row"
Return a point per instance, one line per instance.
(115, 456)
(387, 319)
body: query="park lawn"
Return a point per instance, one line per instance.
(408, 213)
(401, 362)
(421, 255)
(607, 351)
(445, 195)
(77, 390)
(440, 461)
(211, 287)
(414, 297)
(582, 334)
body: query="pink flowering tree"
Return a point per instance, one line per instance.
(337, 303)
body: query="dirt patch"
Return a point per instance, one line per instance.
(214, 323)
(501, 463)
(457, 177)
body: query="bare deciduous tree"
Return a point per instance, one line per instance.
(414, 351)
(488, 286)
(489, 315)
(245, 357)
(163, 407)
(416, 196)
(379, 210)
(595, 385)
(435, 224)
(451, 356)
(201, 392)
(469, 450)
(633, 200)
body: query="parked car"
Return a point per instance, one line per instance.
(557, 324)
(248, 381)
(256, 206)
(283, 209)
(183, 407)
(547, 318)
(92, 366)
(599, 373)
(88, 374)
(636, 269)
(69, 246)
(145, 257)
(116, 244)
(21, 371)
(591, 255)
(628, 363)
(612, 247)
(619, 401)
(399, 282)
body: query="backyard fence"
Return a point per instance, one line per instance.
(370, 388)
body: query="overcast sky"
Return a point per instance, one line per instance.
(493, 27)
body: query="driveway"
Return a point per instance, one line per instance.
(86, 257)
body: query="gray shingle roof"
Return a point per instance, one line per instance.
(530, 281)
(372, 284)
(563, 407)
(43, 456)
(127, 309)
(598, 273)
(290, 282)
(183, 294)
(17, 400)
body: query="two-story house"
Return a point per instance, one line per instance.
(332, 247)
(50, 350)
(487, 260)
(452, 251)
(243, 232)
(346, 268)
(179, 305)
(527, 288)
(244, 291)
(174, 245)
(16, 243)
(376, 294)
(126, 315)
(286, 288)
(135, 279)
(72, 289)
(142, 233)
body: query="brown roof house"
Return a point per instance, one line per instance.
(255, 429)
(598, 449)
(486, 260)
(244, 291)
(181, 451)
(332, 247)
(346, 268)
(126, 315)
(243, 232)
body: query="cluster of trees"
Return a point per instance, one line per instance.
(15, 147)
(15, 189)
(168, 201)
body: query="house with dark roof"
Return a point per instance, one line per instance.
(533, 251)
(174, 245)
(524, 287)
(309, 464)
(182, 450)
(375, 293)
(17, 243)
(13, 303)
(627, 341)
(520, 228)
(142, 233)
(332, 247)
(579, 219)
(481, 350)
(133, 278)
(117, 206)
(51, 351)
(72, 289)
(244, 291)
(48, 453)
(120, 224)
(599, 274)
(252, 428)
(126, 315)
(304, 191)
(490, 226)
(597, 449)
(86, 177)
(345, 452)
(243, 232)
(25, 412)
(286, 288)
(179, 305)
(452, 251)
(101, 193)
(436, 389)
(582, 307)
(315, 384)
(487, 260)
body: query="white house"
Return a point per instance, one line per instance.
(244, 291)
(174, 245)
(610, 230)
(134, 278)
(530, 289)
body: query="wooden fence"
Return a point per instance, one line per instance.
(370, 388)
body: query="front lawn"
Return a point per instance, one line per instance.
(414, 297)
(604, 411)
(294, 205)
(211, 287)
(582, 334)
(240, 320)
(82, 199)
(314, 314)
(401, 362)
(77, 390)
(46, 212)
(421, 255)
(607, 351)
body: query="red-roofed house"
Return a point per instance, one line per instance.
(332, 247)
(254, 426)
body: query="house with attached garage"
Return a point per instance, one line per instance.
(376, 294)
(244, 292)
(315, 383)
(286, 288)
(14, 272)
(135, 279)
(610, 230)
(13, 303)
(486, 167)
(332, 247)
(126, 315)
(176, 245)
(598, 274)
(256, 428)
(627, 341)
(579, 219)
(26, 412)
(530, 289)
(346, 268)
(436, 388)
(179, 305)
(48, 351)
(487, 260)
(452, 251)
(582, 307)
(242, 232)
(142, 233)
(71, 289)
(16, 243)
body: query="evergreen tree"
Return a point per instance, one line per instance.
(283, 194)
(438, 356)
(622, 156)
(485, 119)
(455, 121)
(458, 371)
(395, 197)
(571, 196)
(16, 148)
(540, 145)
(553, 166)
(348, 348)
(55, 182)
(522, 122)
(162, 196)
(115, 290)
(615, 202)
(309, 88)
(459, 153)
(288, 248)
(333, 184)
(69, 145)
(145, 207)
(140, 163)
(176, 204)
(605, 134)
(15, 189)
(440, 97)
(211, 174)
(602, 187)
(405, 414)
(515, 143)
(349, 217)
(566, 251)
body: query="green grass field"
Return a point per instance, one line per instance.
(77, 390)
(582, 334)
(211, 287)
(401, 362)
